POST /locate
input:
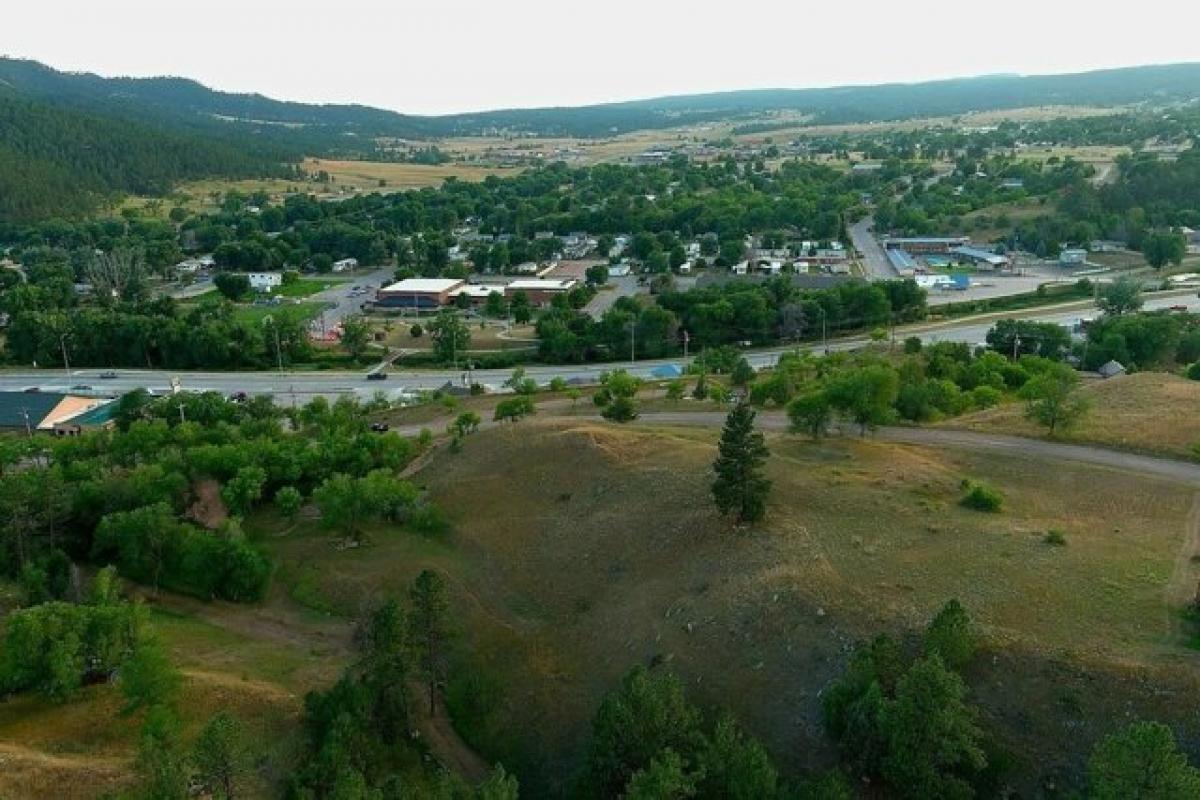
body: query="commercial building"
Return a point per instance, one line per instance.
(419, 293)
(901, 261)
(345, 265)
(53, 412)
(984, 259)
(540, 290)
(927, 244)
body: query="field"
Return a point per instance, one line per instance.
(348, 178)
(1127, 413)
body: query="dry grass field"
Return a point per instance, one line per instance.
(579, 549)
(1147, 412)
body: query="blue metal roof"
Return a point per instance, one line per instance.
(900, 259)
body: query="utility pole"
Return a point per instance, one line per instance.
(686, 339)
(28, 427)
(62, 341)
(632, 341)
(1016, 344)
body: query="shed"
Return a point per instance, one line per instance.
(1111, 369)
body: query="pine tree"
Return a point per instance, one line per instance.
(428, 629)
(740, 486)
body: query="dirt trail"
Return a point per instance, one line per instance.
(1181, 588)
(442, 740)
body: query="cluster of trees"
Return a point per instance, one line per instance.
(731, 314)
(358, 732)
(154, 334)
(123, 496)
(649, 743)
(906, 721)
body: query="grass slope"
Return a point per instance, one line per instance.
(1131, 412)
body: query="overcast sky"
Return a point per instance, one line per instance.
(440, 56)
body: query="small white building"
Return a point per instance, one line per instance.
(741, 268)
(621, 270)
(1072, 257)
(264, 281)
(345, 265)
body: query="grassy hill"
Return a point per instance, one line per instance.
(1132, 412)
(579, 549)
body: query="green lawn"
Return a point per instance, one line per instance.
(301, 311)
(307, 286)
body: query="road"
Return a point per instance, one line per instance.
(1166, 468)
(303, 385)
(874, 262)
(340, 300)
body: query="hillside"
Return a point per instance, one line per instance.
(1128, 413)
(65, 162)
(333, 127)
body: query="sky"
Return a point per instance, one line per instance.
(444, 56)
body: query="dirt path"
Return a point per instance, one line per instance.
(442, 740)
(1167, 468)
(1181, 588)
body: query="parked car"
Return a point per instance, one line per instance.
(377, 376)
(380, 427)
(81, 387)
(239, 397)
(108, 375)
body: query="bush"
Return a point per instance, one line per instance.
(429, 521)
(986, 396)
(912, 345)
(1055, 537)
(416, 331)
(1193, 372)
(981, 497)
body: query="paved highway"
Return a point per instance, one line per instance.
(302, 386)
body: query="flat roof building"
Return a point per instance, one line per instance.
(540, 290)
(901, 261)
(1072, 257)
(981, 258)
(418, 293)
(927, 244)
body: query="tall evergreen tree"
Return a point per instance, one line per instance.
(428, 630)
(740, 486)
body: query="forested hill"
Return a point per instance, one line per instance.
(57, 161)
(350, 129)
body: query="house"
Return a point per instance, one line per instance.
(264, 281)
(1072, 257)
(1012, 183)
(526, 268)
(741, 268)
(685, 268)
(1111, 369)
(771, 267)
(418, 293)
(345, 265)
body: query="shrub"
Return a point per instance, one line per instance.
(981, 497)
(985, 396)
(416, 331)
(429, 521)
(1055, 537)
(1193, 372)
